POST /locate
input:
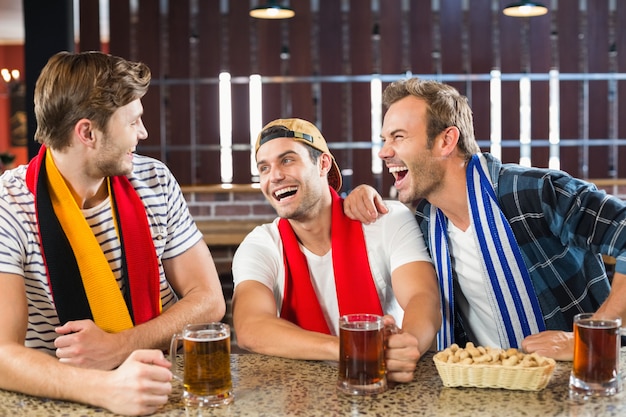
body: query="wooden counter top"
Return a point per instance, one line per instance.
(270, 386)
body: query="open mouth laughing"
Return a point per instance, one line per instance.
(398, 172)
(284, 193)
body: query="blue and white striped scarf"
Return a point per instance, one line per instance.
(513, 300)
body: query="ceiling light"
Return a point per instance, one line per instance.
(272, 10)
(525, 9)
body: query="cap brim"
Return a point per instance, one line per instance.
(334, 177)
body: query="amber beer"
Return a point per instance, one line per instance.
(206, 364)
(361, 354)
(595, 369)
(596, 355)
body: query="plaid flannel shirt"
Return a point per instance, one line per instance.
(562, 226)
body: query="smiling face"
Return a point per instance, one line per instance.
(292, 183)
(416, 169)
(119, 141)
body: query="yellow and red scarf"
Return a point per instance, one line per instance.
(356, 290)
(82, 283)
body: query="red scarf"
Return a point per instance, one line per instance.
(356, 290)
(139, 262)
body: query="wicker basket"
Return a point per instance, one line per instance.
(494, 376)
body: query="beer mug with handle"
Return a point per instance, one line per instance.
(362, 339)
(206, 364)
(596, 366)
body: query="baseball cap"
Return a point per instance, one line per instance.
(307, 133)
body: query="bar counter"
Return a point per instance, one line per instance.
(269, 386)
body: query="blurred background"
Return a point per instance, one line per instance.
(545, 90)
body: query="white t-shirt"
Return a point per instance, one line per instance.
(472, 299)
(392, 241)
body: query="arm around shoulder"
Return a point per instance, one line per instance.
(364, 204)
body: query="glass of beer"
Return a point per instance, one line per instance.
(361, 354)
(206, 364)
(595, 369)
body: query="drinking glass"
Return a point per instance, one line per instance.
(206, 364)
(595, 369)
(362, 354)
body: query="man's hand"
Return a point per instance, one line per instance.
(364, 204)
(140, 386)
(83, 344)
(554, 344)
(401, 354)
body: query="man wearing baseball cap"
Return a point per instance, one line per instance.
(296, 276)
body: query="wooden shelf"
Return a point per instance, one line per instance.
(226, 232)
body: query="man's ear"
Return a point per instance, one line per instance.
(449, 139)
(84, 130)
(325, 162)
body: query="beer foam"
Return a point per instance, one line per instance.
(361, 327)
(206, 336)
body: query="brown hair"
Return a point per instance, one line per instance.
(89, 85)
(446, 107)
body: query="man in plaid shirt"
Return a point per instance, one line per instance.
(517, 249)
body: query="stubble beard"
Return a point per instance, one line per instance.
(426, 178)
(110, 163)
(304, 210)
(113, 168)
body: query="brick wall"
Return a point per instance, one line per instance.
(241, 202)
(230, 208)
